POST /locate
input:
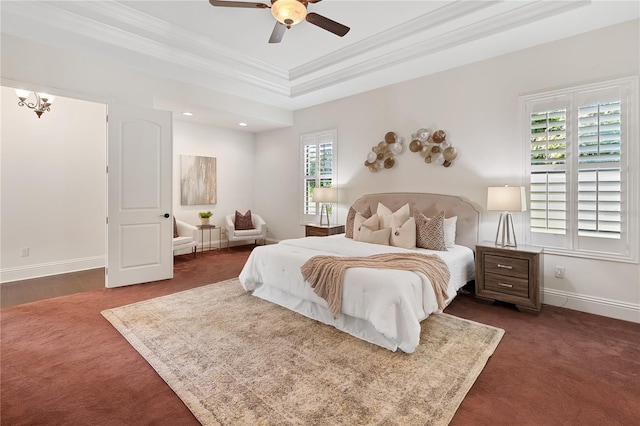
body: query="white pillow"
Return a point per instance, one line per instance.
(450, 231)
(384, 214)
(380, 236)
(360, 221)
(403, 235)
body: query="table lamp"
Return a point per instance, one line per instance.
(325, 195)
(506, 199)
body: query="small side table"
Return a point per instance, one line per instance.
(210, 228)
(510, 274)
(312, 230)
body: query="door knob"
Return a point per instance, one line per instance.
(166, 215)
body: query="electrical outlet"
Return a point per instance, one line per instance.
(559, 271)
(24, 251)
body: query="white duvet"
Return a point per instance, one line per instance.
(381, 306)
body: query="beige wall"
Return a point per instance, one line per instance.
(53, 187)
(477, 105)
(235, 157)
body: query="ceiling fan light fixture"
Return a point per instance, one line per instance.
(288, 12)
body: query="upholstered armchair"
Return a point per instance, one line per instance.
(186, 240)
(258, 233)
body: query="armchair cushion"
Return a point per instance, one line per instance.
(187, 239)
(243, 221)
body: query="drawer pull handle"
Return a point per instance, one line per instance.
(505, 285)
(500, 265)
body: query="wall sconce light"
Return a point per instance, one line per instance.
(42, 104)
(506, 199)
(325, 195)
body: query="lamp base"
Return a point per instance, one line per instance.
(326, 210)
(506, 226)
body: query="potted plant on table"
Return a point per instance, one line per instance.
(204, 217)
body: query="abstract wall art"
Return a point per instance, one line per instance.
(197, 180)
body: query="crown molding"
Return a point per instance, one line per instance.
(45, 13)
(439, 17)
(523, 14)
(159, 28)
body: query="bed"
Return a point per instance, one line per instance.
(381, 306)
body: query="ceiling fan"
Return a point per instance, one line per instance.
(288, 13)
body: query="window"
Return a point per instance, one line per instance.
(319, 167)
(582, 164)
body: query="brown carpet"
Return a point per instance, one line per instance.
(63, 364)
(237, 359)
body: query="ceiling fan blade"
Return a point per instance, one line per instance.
(278, 32)
(327, 24)
(314, 1)
(238, 4)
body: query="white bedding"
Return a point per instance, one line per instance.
(384, 307)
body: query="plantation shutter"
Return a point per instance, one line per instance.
(318, 168)
(309, 164)
(548, 146)
(582, 169)
(599, 172)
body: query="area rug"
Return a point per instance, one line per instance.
(235, 359)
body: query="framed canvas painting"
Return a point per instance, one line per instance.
(197, 180)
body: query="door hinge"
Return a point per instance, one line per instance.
(107, 220)
(107, 168)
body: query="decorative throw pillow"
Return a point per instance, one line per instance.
(385, 215)
(351, 217)
(381, 236)
(430, 232)
(403, 235)
(371, 223)
(175, 228)
(450, 231)
(243, 221)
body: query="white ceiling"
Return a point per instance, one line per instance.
(227, 49)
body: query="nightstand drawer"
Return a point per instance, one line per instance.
(316, 232)
(323, 231)
(506, 285)
(506, 266)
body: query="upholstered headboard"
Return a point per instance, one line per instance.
(429, 205)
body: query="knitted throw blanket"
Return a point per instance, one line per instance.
(326, 273)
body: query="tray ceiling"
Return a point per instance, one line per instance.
(227, 49)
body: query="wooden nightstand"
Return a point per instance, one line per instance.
(510, 274)
(322, 230)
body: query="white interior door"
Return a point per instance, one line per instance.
(139, 224)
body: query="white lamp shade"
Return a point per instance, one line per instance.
(49, 98)
(325, 195)
(506, 198)
(22, 93)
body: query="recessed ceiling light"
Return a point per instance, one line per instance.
(243, 124)
(187, 113)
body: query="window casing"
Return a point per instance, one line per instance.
(582, 162)
(318, 159)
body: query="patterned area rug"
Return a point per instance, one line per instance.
(237, 359)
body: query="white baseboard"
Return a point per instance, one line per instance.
(52, 268)
(593, 305)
